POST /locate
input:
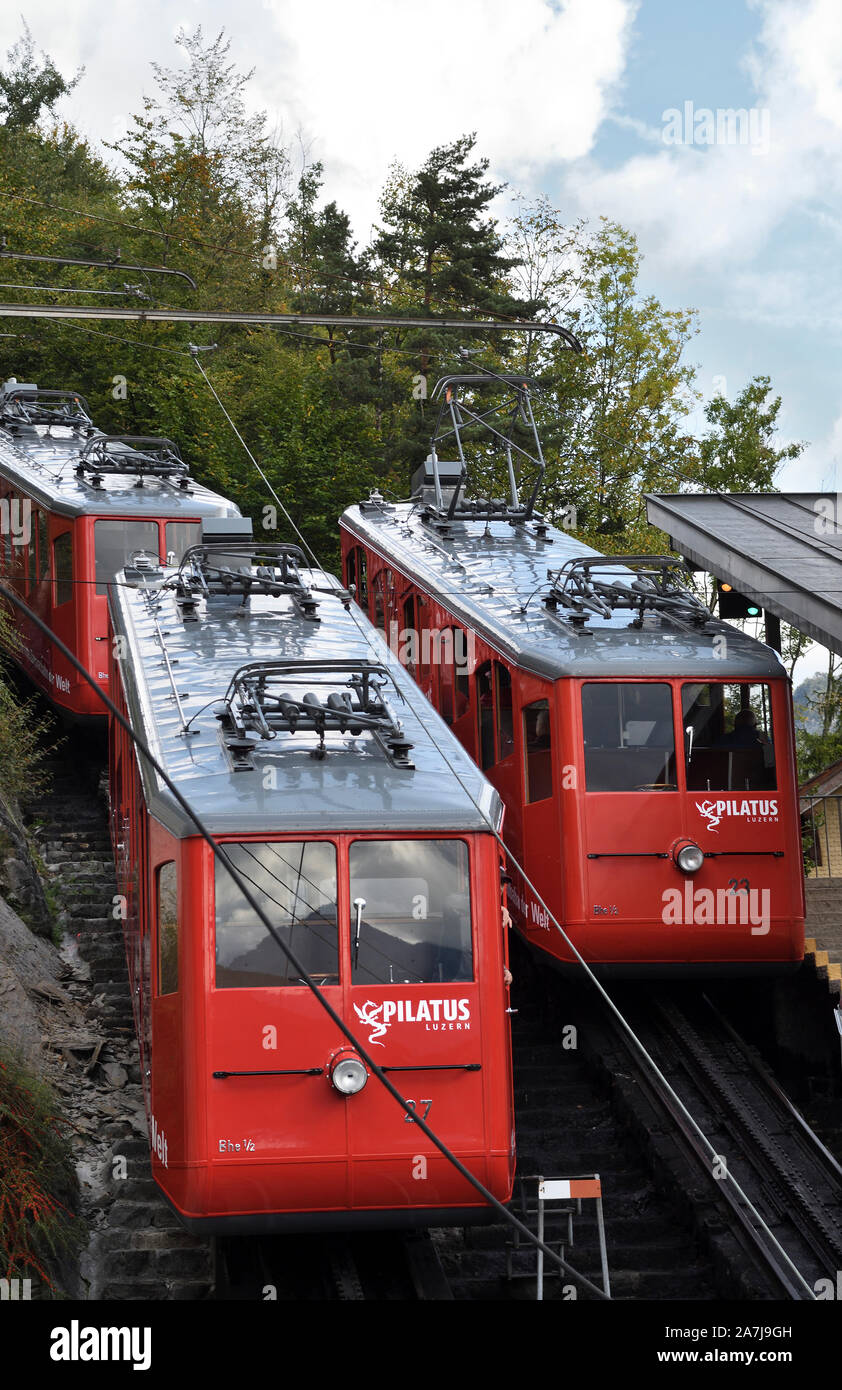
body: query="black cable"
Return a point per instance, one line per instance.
(220, 854)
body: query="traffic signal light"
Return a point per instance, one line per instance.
(735, 605)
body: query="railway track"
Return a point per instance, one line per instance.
(673, 1229)
(778, 1184)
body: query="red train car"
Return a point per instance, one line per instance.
(74, 505)
(644, 750)
(313, 759)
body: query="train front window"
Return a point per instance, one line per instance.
(114, 543)
(410, 912)
(629, 737)
(728, 739)
(295, 884)
(180, 536)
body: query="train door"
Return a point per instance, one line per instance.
(166, 911)
(270, 1040)
(63, 615)
(540, 847)
(632, 814)
(414, 1001)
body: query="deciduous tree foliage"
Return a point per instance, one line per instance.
(198, 184)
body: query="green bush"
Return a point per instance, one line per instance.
(38, 1228)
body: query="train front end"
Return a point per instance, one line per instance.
(681, 849)
(367, 838)
(293, 1131)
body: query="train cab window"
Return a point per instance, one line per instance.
(505, 721)
(166, 897)
(410, 912)
(485, 715)
(355, 569)
(296, 885)
(537, 751)
(180, 536)
(728, 740)
(115, 541)
(629, 737)
(63, 569)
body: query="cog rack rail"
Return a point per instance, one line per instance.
(24, 407)
(212, 568)
(141, 455)
(658, 586)
(515, 408)
(259, 705)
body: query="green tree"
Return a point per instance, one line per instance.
(738, 453)
(29, 88)
(613, 418)
(441, 253)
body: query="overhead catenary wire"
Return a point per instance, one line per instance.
(614, 1010)
(219, 854)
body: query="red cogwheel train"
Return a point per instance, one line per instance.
(315, 763)
(75, 503)
(366, 833)
(644, 750)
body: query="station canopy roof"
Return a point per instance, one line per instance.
(783, 550)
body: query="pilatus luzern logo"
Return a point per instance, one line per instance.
(437, 1015)
(752, 809)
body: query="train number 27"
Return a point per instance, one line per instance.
(414, 1104)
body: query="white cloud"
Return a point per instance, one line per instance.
(366, 82)
(700, 206)
(379, 80)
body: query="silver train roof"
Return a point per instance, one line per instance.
(42, 462)
(485, 574)
(355, 787)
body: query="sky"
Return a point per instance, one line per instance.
(614, 108)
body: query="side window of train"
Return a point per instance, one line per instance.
(408, 636)
(728, 739)
(63, 569)
(411, 913)
(356, 578)
(166, 897)
(18, 512)
(33, 551)
(505, 720)
(485, 715)
(6, 536)
(378, 600)
(43, 547)
(443, 657)
(537, 751)
(629, 736)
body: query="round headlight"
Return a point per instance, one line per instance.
(348, 1076)
(690, 859)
